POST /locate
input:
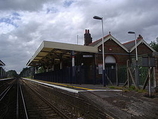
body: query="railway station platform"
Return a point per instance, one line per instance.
(76, 88)
(117, 103)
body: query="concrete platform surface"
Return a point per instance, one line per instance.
(116, 103)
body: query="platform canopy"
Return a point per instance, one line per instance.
(1, 63)
(54, 51)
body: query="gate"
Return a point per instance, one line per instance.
(110, 70)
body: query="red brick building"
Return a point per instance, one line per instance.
(117, 55)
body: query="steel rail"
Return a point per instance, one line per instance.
(4, 91)
(48, 103)
(3, 94)
(17, 101)
(24, 104)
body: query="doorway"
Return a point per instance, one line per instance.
(110, 69)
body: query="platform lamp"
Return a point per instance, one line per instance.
(136, 65)
(103, 73)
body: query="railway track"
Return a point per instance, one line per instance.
(75, 106)
(20, 101)
(24, 99)
(38, 107)
(4, 84)
(7, 101)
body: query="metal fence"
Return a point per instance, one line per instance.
(76, 74)
(88, 75)
(79, 75)
(122, 74)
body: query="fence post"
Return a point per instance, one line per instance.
(149, 82)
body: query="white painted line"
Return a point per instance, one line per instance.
(73, 90)
(5, 79)
(55, 86)
(104, 90)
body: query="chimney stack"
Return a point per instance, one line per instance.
(140, 37)
(87, 37)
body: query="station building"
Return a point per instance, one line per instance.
(2, 71)
(70, 63)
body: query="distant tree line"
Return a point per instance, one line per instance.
(12, 73)
(27, 72)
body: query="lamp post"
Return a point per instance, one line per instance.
(136, 65)
(103, 73)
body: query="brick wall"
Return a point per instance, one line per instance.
(115, 50)
(143, 49)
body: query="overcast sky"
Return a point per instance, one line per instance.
(24, 24)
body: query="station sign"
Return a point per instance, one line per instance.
(100, 68)
(87, 55)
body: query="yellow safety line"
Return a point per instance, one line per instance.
(66, 85)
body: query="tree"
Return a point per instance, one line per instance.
(154, 44)
(12, 73)
(27, 72)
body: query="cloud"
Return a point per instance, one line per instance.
(25, 24)
(28, 5)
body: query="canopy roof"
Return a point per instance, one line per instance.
(54, 51)
(1, 63)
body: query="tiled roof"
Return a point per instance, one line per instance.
(129, 45)
(106, 38)
(98, 41)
